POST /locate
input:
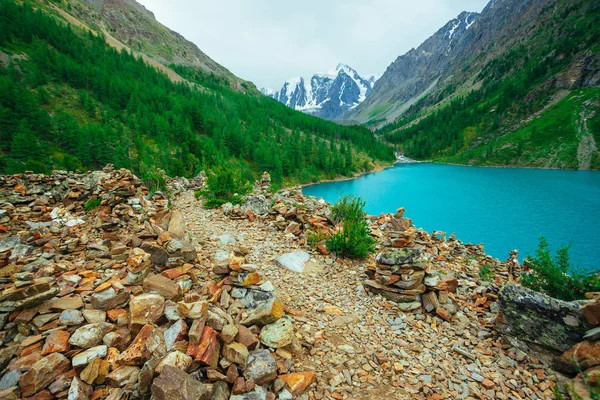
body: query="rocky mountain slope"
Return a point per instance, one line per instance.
(326, 95)
(519, 87)
(414, 74)
(131, 24)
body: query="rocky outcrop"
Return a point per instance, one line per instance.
(540, 319)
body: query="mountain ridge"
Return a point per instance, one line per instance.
(512, 93)
(327, 95)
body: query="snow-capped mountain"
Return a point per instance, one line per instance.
(416, 73)
(327, 95)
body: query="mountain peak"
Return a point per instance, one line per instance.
(327, 95)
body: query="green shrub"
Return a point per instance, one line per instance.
(348, 207)
(224, 185)
(485, 273)
(553, 276)
(91, 204)
(354, 239)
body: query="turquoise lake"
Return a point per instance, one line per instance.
(503, 208)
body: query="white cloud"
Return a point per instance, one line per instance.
(268, 41)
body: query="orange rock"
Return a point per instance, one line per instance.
(442, 313)
(137, 352)
(251, 279)
(56, 342)
(114, 314)
(176, 272)
(204, 351)
(591, 312)
(298, 381)
(488, 384)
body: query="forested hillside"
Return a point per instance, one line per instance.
(530, 98)
(69, 101)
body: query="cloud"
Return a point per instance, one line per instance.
(269, 41)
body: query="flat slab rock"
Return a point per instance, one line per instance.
(294, 261)
(540, 319)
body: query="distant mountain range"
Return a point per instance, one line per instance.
(326, 95)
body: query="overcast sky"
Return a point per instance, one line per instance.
(269, 41)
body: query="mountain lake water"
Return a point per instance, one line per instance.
(503, 208)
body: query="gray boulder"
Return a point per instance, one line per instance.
(536, 318)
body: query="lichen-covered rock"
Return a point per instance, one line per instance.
(540, 319)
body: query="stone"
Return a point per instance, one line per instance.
(119, 338)
(161, 285)
(90, 335)
(265, 313)
(592, 334)
(146, 376)
(177, 331)
(67, 303)
(591, 312)
(236, 352)
(145, 308)
(175, 384)
(580, 357)
(95, 372)
(540, 319)
(399, 257)
(298, 382)
(10, 379)
(158, 255)
(207, 350)
(229, 332)
(88, 355)
(246, 337)
(259, 393)
(175, 359)
(71, 317)
(177, 224)
(43, 373)
(261, 367)
(137, 352)
(196, 330)
(56, 341)
(109, 298)
(79, 390)
(278, 334)
(294, 261)
(194, 310)
(120, 376)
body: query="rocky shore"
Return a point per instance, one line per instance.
(108, 291)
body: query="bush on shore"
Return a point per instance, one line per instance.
(554, 276)
(354, 239)
(224, 185)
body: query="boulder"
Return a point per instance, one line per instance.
(293, 261)
(537, 318)
(578, 358)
